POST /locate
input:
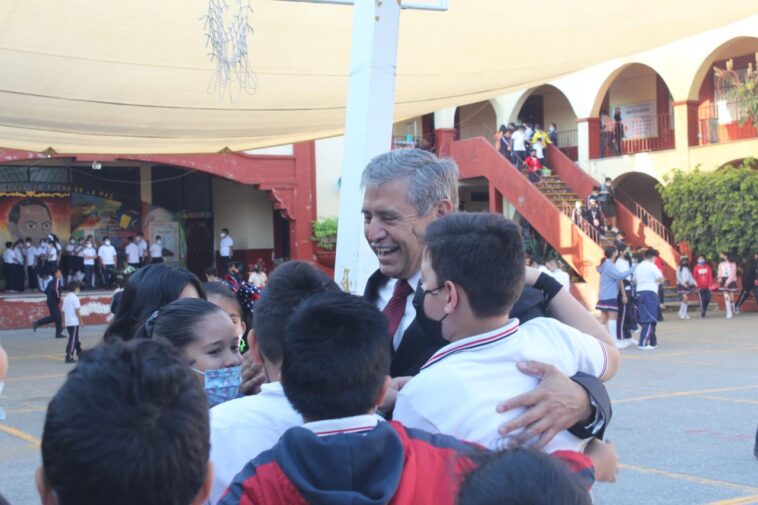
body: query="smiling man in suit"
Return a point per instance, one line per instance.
(405, 191)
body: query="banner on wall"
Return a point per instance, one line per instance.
(26, 213)
(640, 119)
(170, 226)
(101, 217)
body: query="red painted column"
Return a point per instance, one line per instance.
(593, 126)
(496, 200)
(304, 210)
(444, 138)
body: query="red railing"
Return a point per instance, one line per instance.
(722, 122)
(641, 134)
(646, 217)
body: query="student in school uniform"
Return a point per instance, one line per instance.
(53, 292)
(73, 321)
(107, 256)
(144, 248)
(470, 293)
(156, 251)
(611, 286)
(30, 261)
(703, 279)
(89, 255)
(225, 249)
(9, 260)
(727, 277)
(684, 284)
(647, 278)
(41, 267)
(132, 253)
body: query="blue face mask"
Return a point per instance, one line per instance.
(221, 385)
(701, 262)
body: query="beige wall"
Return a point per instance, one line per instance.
(328, 171)
(558, 110)
(477, 120)
(246, 211)
(410, 127)
(635, 84)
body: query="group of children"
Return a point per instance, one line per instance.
(702, 281)
(312, 433)
(526, 147)
(26, 264)
(599, 212)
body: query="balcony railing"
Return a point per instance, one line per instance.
(568, 140)
(641, 134)
(722, 122)
(425, 142)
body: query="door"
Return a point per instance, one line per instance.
(199, 245)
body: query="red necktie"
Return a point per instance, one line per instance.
(395, 308)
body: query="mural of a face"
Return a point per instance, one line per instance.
(31, 220)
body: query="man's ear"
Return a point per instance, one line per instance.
(383, 390)
(205, 489)
(453, 298)
(46, 494)
(444, 208)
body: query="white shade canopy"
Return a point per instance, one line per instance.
(108, 76)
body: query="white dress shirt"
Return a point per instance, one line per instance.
(225, 246)
(107, 253)
(383, 298)
(241, 429)
(458, 389)
(156, 250)
(132, 253)
(646, 276)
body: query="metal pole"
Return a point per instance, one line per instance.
(368, 129)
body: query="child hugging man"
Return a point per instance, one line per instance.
(472, 272)
(334, 372)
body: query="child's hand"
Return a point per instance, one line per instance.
(603, 456)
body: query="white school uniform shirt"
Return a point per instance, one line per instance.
(42, 252)
(458, 389)
(518, 139)
(31, 256)
(9, 257)
(225, 246)
(646, 276)
(383, 297)
(142, 244)
(52, 252)
(156, 251)
(70, 304)
(18, 254)
(89, 254)
(107, 253)
(241, 429)
(132, 253)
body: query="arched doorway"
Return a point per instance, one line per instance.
(547, 104)
(721, 116)
(642, 188)
(635, 112)
(476, 120)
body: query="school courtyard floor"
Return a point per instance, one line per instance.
(684, 423)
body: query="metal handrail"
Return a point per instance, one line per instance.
(646, 217)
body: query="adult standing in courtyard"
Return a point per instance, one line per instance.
(225, 249)
(156, 250)
(405, 191)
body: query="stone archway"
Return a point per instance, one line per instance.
(476, 120)
(642, 188)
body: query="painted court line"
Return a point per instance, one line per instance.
(658, 356)
(683, 393)
(35, 377)
(690, 478)
(727, 399)
(743, 500)
(20, 434)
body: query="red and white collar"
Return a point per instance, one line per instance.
(355, 424)
(474, 342)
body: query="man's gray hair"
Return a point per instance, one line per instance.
(430, 179)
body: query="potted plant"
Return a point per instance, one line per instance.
(325, 238)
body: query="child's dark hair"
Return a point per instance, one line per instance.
(147, 290)
(336, 356)
(211, 272)
(481, 252)
(522, 477)
(129, 425)
(650, 253)
(177, 322)
(289, 284)
(609, 251)
(74, 285)
(221, 289)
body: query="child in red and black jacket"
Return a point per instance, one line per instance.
(334, 371)
(703, 279)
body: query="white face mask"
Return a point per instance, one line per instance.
(223, 234)
(107, 242)
(89, 244)
(28, 244)
(72, 242)
(158, 242)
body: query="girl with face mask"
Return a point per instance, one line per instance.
(684, 284)
(727, 277)
(205, 336)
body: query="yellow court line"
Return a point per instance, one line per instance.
(726, 399)
(26, 410)
(35, 377)
(54, 357)
(20, 434)
(743, 500)
(689, 478)
(682, 393)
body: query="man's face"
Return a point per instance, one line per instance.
(392, 227)
(33, 221)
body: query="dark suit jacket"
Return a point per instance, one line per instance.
(424, 337)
